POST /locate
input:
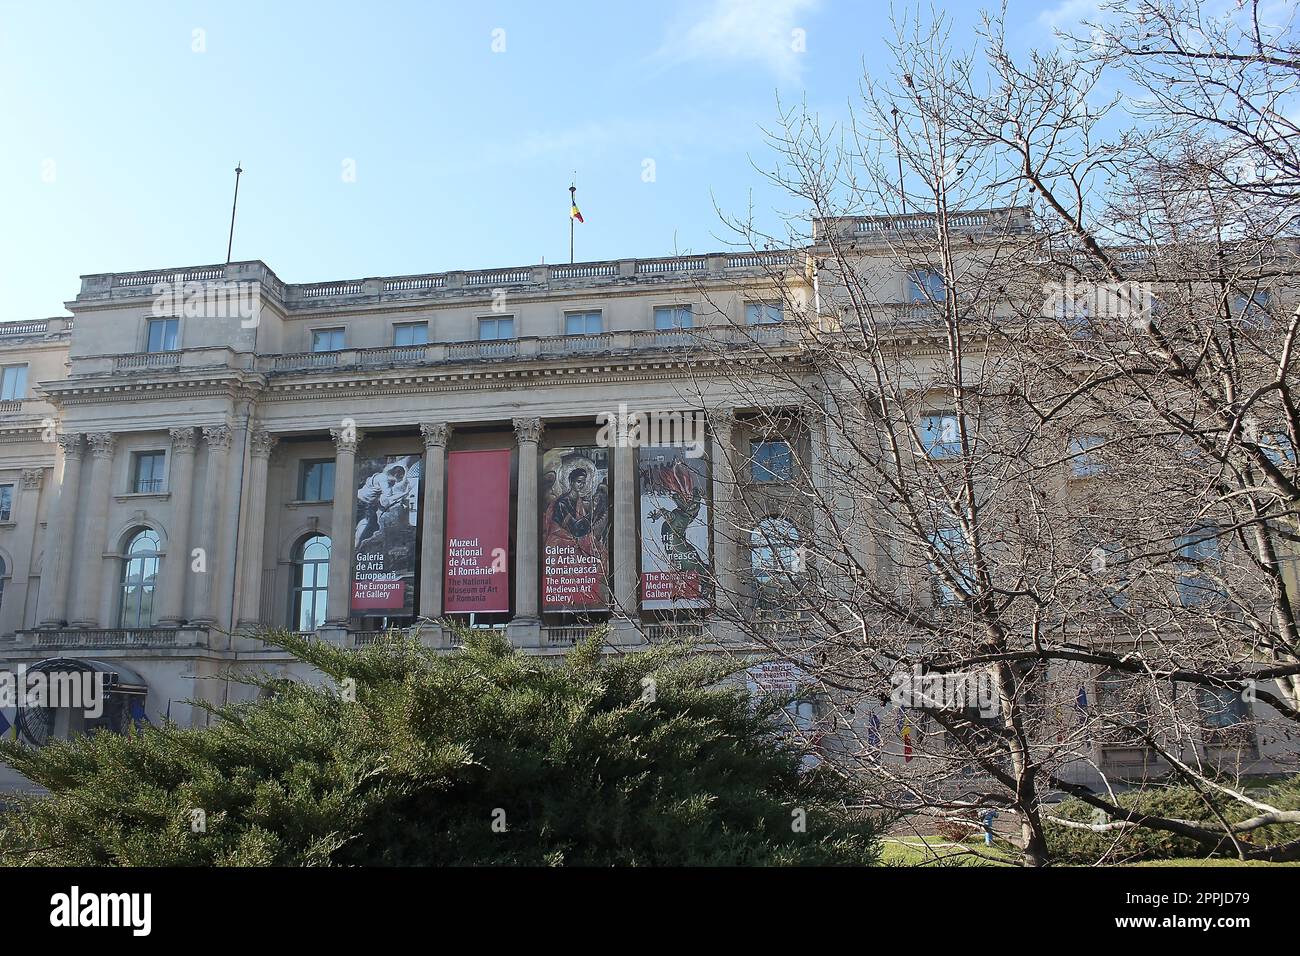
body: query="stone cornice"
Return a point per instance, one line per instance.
(515, 376)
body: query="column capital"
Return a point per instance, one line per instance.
(435, 434)
(101, 444)
(722, 420)
(528, 430)
(217, 436)
(263, 443)
(346, 439)
(73, 444)
(32, 478)
(183, 440)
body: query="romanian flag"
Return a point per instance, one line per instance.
(575, 212)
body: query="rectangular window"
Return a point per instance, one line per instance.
(163, 334)
(668, 317)
(583, 323)
(326, 340)
(496, 329)
(1084, 463)
(13, 382)
(1277, 446)
(764, 313)
(1198, 552)
(951, 553)
(6, 502)
(147, 472)
(770, 461)
(411, 333)
(316, 480)
(939, 435)
(1222, 708)
(926, 285)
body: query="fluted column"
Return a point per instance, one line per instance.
(431, 518)
(13, 607)
(176, 566)
(53, 611)
(343, 523)
(725, 518)
(261, 444)
(625, 537)
(528, 431)
(215, 484)
(88, 572)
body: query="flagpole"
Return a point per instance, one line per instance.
(231, 241)
(573, 202)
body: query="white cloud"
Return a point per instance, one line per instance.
(766, 32)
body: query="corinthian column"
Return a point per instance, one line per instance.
(14, 607)
(343, 524)
(215, 508)
(625, 540)
(90, 572)
(250, 588)
(725, 533)
(176, 566)
(58, 538)
(431, 518)
(528, 431)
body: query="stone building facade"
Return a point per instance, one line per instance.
(185, 459)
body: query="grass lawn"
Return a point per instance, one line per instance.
(938, 851)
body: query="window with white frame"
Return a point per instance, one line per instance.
(940, 437)
(326, 340)
(670, 317)
(1084, 460)
(13, 382)
(584, 323)
(163, 335)
(311, 572)
(1199, 553)
(496, 328)
(139, 573)
(926, 285)
(411, 333)
(950, 563)
(764, 313)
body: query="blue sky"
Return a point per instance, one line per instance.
(122, 126)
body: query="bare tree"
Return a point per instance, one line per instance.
(1039, 514)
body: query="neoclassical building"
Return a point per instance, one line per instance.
(200, 452)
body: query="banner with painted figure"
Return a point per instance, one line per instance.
(675, 562)
(575, 501)
(476, 566)
(384, 542)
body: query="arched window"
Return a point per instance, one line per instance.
(774, 551)
(139, 572)
(311, 572)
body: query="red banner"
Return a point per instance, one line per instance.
(476, 562)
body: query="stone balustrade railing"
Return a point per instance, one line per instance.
(476, 282)
(113, 637)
